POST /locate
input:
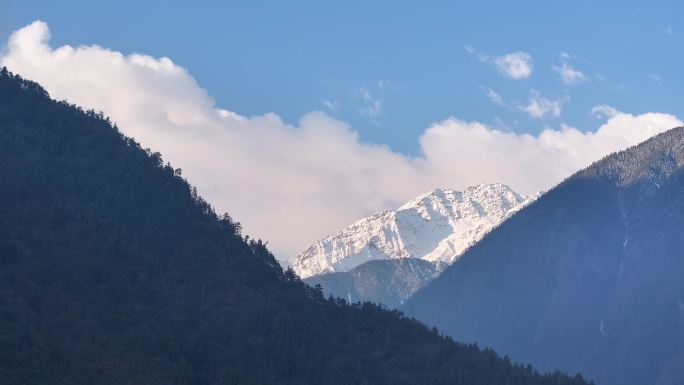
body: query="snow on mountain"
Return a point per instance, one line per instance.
(437, 226)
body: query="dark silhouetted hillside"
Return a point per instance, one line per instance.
(589, 278)
(114, 271)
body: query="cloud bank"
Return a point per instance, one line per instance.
(292, 184)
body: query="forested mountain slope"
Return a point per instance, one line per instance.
(588, 278)
(114, 271)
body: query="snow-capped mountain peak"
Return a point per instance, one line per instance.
(437, 226)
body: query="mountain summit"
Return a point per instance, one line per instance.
(437, 226)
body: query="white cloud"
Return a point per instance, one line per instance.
(656, 78)
(292, 184)
(538, 106)
(365, 94)
(331, 105)
(528, 162)
(372, 106)
(569, 75)
(384, 85)
(495, 97)
(515, 65)
(604, 111)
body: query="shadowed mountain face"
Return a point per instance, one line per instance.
(588, 278)
(114, 271)
(389, 282)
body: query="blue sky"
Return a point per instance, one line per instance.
(391, 69)
(299, 118)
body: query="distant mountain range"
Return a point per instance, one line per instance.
(588, 278)
(388, 256)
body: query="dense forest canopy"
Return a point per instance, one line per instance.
(114, 271)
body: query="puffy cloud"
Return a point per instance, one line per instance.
(516, 65)
(539, 106)
(292, 184)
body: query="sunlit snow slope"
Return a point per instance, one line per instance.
(438, 226)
